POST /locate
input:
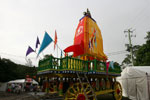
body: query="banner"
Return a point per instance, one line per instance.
(94, 39)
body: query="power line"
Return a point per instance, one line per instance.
(138, 16)
(117, 53)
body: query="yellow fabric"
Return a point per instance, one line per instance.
(93, 42)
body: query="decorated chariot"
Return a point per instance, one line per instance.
(84, 74)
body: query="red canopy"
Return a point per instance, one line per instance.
(78, 49)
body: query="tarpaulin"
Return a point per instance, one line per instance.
(135, 82)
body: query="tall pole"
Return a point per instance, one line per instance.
(130, 44)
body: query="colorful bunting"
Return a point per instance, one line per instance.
(46, 41)
(107, 66)
(29, 51)
(111, 64)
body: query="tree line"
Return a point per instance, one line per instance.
(11, 71)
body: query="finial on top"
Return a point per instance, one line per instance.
(87, 13)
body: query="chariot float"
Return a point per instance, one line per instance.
(84, 74)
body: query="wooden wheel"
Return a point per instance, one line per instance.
(117, 91)
(77, 92)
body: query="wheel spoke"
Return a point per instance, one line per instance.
(86, 88)
(74, 90)
(88, 91)
(82, 90)
(71, 94)
(78, 89)
(89, 96)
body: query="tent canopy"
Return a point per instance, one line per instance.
(136, 71)
(145, 69)
(22, 81)
(135, 82)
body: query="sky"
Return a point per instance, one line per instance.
(21, 21)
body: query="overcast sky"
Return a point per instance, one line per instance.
(21, 21)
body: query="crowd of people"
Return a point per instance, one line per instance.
(14, 88)
(18, 88)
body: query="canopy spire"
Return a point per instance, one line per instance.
(87, 13)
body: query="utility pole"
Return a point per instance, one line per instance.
(130, 44)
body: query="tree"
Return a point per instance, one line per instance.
(141, 54)
(11, 71)
(127, 60)
(148, 37)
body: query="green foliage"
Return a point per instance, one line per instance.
(141, 54)
(11, 71)
(127, 60)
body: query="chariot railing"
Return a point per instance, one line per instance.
(73, 64)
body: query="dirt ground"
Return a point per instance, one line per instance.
(32, 96)
(13, 96)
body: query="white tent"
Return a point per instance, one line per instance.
(22, 81)
(135, 82)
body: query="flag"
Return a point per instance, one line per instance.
(37, 42)
(55, 42)
(46, 41)
(29, 50)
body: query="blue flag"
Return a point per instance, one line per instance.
(46, 41)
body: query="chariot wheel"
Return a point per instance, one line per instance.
(117, 91)
(79, 92)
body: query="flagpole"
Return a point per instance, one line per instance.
(55, 43)
(60, 48)
(57, 50)
(39, 56)
(43, 54)
(26, 59)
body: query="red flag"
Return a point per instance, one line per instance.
(55, 41)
